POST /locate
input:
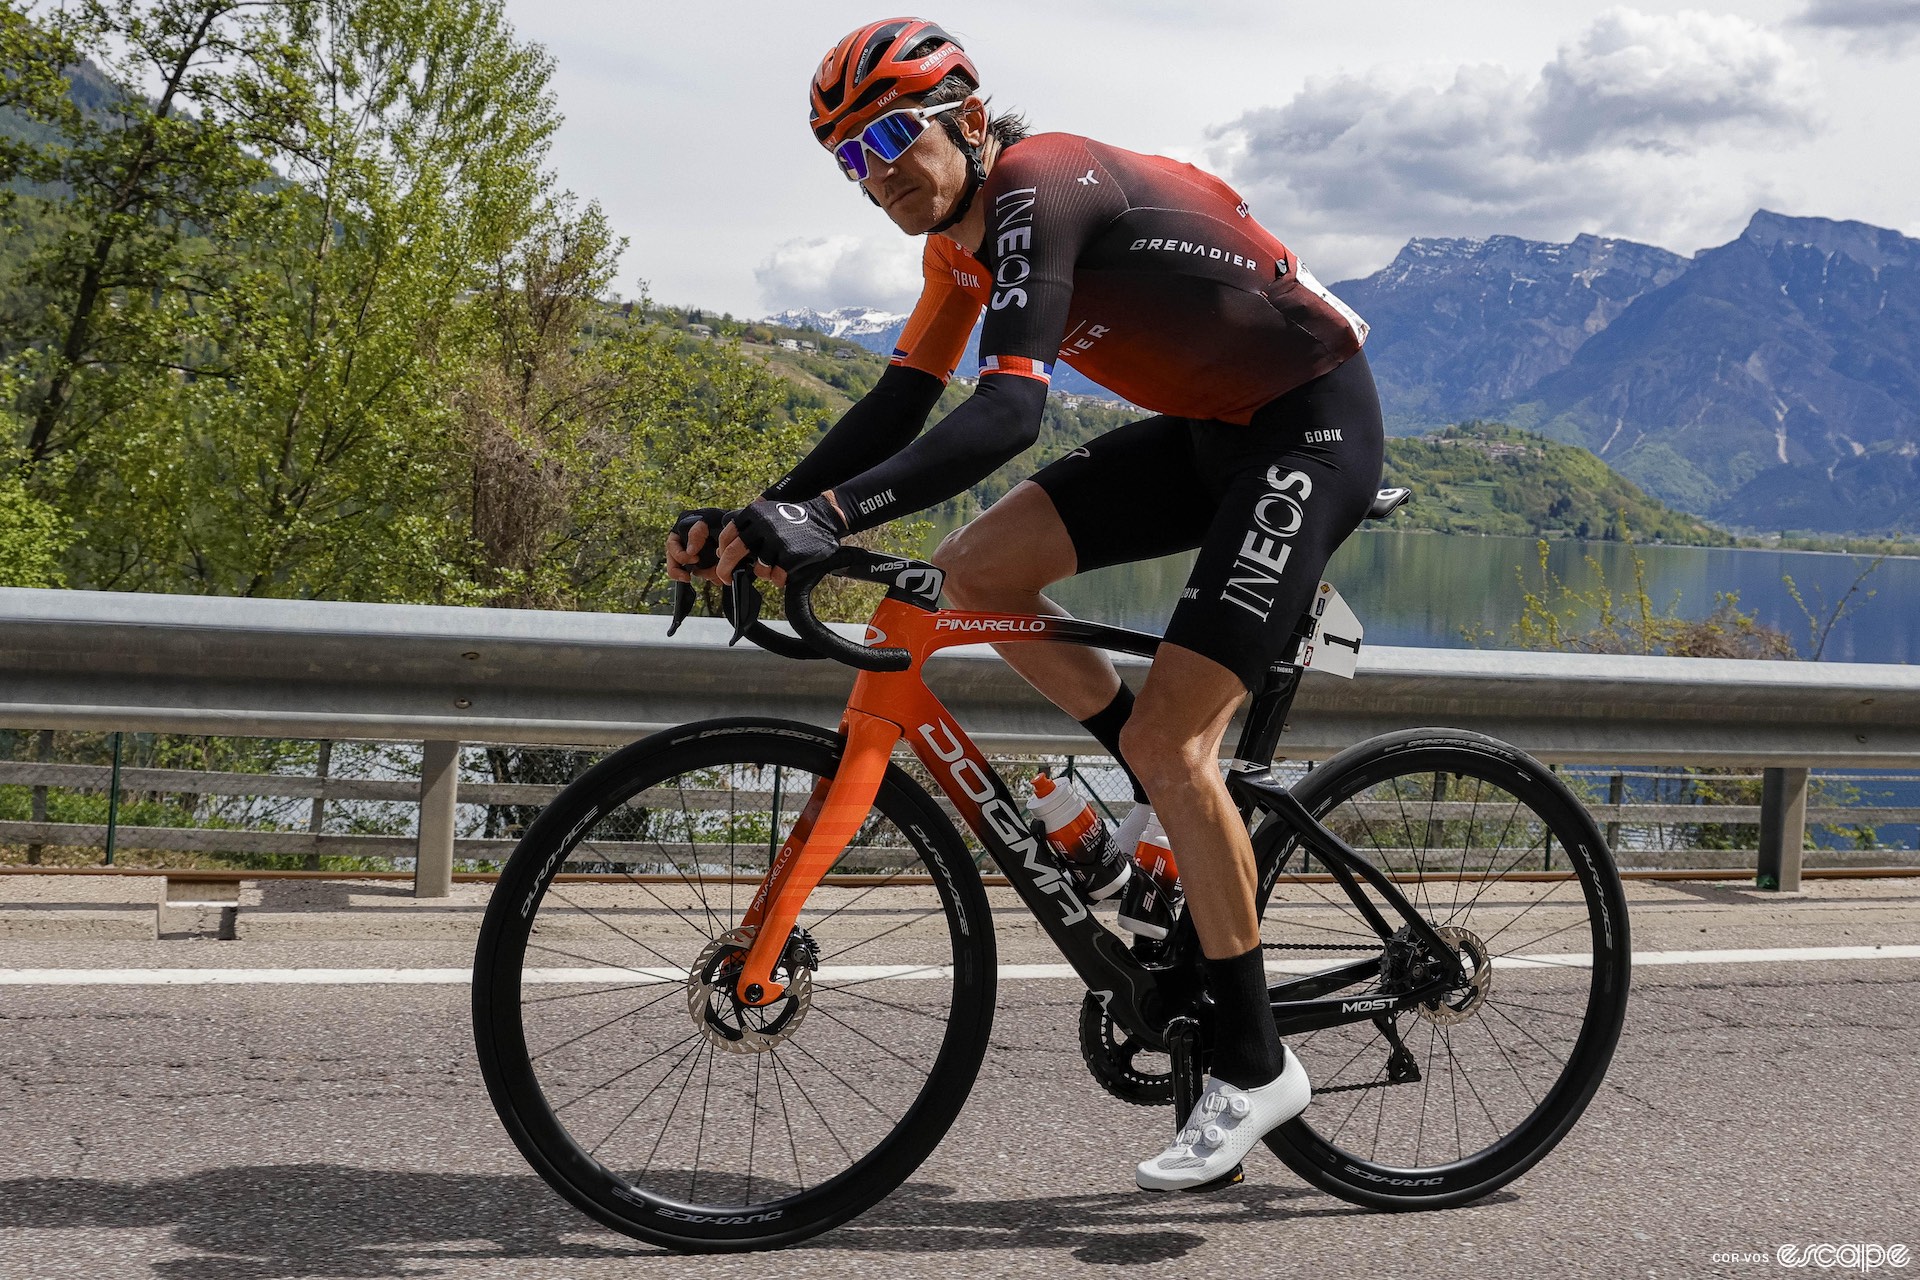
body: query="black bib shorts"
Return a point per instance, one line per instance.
(1267, 504)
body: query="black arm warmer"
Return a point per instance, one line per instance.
(879, 425)
(999, 420)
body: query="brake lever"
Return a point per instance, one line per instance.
(684, 597)
(741, 601)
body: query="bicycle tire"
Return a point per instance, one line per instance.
(532, 910)
(1365, 778)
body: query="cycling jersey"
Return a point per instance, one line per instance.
(1146, 274)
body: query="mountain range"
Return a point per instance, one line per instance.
(1772, 382)
(1769, 383)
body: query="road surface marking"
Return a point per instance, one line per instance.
(837, 973)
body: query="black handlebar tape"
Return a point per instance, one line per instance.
(744, 613)
(827, 642)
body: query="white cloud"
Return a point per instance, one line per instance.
(840, 271)
(1876, 25)
(1605, 137)
(1670, 82)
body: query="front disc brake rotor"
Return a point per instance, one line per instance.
(719, 1014)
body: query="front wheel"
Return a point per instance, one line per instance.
(608, 1035)
(1436, 1105)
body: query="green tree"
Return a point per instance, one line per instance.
(411, 139)
(33, 534)
(142, 175)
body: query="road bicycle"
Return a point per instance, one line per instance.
(736, 981)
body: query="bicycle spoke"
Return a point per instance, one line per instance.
(666, 1126)
(622, 1016)
(693, 845)
(799, 1177)
(869, 1039)
(779, 1064)
(635, 1109)
(611, 927)
(753, 1132)
(1520, 948)
(610, 1080)
(867, 942)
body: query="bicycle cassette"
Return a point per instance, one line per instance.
(1113, 1057)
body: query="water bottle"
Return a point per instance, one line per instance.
(1153, 894)
(1100, 868)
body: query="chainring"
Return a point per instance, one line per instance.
(1112, 1055)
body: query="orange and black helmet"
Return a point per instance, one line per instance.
(874, 66)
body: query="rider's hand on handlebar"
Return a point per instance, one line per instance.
(694, 544)
(782, 536)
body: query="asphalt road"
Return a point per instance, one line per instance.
(246, 1132)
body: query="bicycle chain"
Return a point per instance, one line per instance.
(1318, 1091)
(1306, 946)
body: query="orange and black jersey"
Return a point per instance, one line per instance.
(1146, 274)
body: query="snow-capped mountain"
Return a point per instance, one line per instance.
(855, 324)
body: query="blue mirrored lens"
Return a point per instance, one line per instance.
(853, 158)
(891, 135)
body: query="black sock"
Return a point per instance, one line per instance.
(1246, 1045)
(1105, 727)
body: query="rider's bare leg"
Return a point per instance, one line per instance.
(1173, 743)
(1000, 562)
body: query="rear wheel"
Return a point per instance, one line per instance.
(608, 1035)
(1437, 1105)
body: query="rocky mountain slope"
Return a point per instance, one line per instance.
(1772, 382)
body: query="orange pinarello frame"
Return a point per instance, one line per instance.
(884, 708)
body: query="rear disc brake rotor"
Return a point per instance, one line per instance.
(1463, 1002)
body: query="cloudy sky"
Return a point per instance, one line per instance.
(1351, 126)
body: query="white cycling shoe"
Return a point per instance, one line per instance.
(1224, 1126)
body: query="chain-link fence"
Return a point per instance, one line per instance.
(88, 799)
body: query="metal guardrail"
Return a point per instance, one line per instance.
(442, 676)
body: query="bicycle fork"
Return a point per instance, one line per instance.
(832, 817)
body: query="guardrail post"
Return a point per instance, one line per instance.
(439, 791)
(44, 754)
(317, 817)
(1783, 828)
(113, 802)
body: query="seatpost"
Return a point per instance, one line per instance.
(1267, 717)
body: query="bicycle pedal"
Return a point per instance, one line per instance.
(1231, 1178)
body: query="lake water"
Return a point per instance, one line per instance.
(1435, 589)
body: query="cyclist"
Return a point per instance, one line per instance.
(1151, 277)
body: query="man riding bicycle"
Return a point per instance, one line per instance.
(1151, 277)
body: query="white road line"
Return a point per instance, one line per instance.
(835, 973)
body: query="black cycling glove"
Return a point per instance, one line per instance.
(790, 535)
(715, 519)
